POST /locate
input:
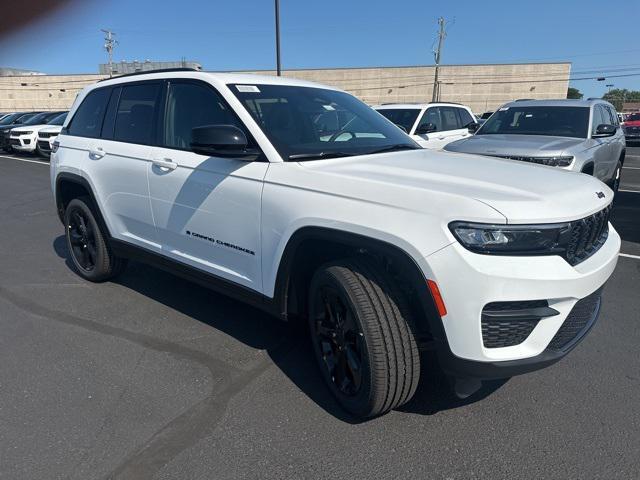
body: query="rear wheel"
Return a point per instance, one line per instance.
(359, 324)
(86, 243)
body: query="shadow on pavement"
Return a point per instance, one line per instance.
(287, 345)
(626, 216)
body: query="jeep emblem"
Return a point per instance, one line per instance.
(600, 194)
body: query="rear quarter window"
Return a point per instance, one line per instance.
(87, 121)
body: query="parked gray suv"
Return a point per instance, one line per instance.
(579, 135)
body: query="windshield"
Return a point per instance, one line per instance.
(38, 119)
(404, 117)
(305, 122)
(59, 120)
(552, 121)
(9, 119)
(634, 117)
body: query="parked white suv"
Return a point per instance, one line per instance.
(48, 134)
(24, 139)
(304, 202)
(432, 125)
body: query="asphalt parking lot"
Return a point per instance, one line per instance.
(154, 377)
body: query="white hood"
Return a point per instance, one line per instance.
(523, 193)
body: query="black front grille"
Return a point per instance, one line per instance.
(47, 134)
(581, 318)
(505, 324)
(586, 236)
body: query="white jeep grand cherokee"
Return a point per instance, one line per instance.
(305, 202)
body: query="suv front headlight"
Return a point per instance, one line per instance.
(511, 239)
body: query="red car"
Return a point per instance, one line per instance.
(632, 128)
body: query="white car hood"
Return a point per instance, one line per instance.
(523, 193)
(29, 128)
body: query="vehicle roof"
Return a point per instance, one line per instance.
(562, 102)
(416, 106)
(220, 78)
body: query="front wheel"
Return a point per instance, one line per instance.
(360, 329)
(87, 245)
(615, 182)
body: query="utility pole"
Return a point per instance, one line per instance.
(277, 5)
(109, 44)
(441, 35)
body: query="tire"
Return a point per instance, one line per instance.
(374, 329)
(615, 181)
(89, 251)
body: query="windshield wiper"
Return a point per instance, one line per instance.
(394, 148)
(318, 155)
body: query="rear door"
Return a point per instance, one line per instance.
(108, 139)
(206, 209)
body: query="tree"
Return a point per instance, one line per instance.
(574, 93)
(618, 96)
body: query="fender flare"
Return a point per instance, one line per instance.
(84, 183)
(410, 268)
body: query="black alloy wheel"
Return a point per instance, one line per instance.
(338, 339)
(82, 239)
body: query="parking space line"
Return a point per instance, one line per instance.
(628, 255)
(25, 160)
(631, 168)
(628, 191)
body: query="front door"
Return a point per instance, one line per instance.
(206, 209)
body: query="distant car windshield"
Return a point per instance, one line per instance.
(309, 123)
(40, 118)
(634, 117)
(486, 115)
(59, 120)
(552, 121)
(404, 117)
(9, 119)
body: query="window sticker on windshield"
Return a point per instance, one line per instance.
(248, 89)
(503, 109)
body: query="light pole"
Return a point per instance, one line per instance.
(277, 5)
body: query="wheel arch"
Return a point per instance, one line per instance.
(311, 246)
(70, 186)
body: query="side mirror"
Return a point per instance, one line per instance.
(425, 128)
(221, 141)
(472, 127)
(604, 130)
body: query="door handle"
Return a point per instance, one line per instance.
(96, 153)
(165, 164)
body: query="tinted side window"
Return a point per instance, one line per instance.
(613, 115)
(136, 113)
(465, 117)
(191, 105)
(449, 118)
(87, 121)
(432, 115)
(598, 118)
(110, 117)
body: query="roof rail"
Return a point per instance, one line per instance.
(594, 98)
(523, 99)
(450, 103)
(160, 70)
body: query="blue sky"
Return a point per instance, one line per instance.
(238, 34)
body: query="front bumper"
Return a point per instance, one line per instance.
(469, 281)
(25, 143)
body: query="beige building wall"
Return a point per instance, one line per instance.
(482, 87)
